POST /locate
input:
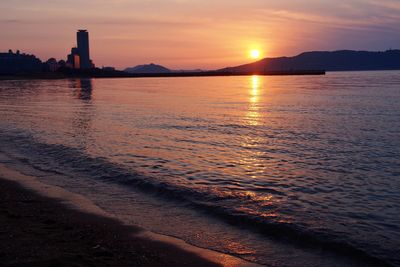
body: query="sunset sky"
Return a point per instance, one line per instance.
(207, 34)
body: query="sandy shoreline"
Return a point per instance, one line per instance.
(52, 231)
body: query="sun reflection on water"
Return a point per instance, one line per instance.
(253, 115)
(251, 158)
(255, 89)
(251, 155)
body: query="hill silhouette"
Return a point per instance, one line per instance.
(343, 60)
(148, 68)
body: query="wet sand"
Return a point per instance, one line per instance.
(40, 231)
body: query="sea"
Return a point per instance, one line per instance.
(277, 170)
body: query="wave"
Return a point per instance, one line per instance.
(69, 161)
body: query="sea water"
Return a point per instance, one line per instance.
(279, 170)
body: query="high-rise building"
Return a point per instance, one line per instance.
(82, 37)
(80, 57)
(74, 59)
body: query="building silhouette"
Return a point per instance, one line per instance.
(80, 56)
(82, 37)
(51, 65)
(73, 59)
(18, 63)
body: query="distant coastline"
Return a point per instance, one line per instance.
(24, 66)
(120, 74)
(342, 60)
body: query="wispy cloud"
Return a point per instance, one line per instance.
(10, 21)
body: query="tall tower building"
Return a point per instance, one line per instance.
(82, 37)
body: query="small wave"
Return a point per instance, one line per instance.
(60, 159)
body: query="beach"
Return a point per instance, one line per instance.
(44, 231)
(38, 231)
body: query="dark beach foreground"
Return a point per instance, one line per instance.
(41, 231)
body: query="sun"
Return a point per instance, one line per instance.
(255, 54)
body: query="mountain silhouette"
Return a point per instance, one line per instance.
(343, 60)
(148, 68)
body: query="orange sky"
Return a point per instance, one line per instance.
(185, 34)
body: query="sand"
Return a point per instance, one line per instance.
(45, 225)
(40, 231)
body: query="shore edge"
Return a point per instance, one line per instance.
(49, 225)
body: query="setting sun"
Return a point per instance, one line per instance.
(255, 53)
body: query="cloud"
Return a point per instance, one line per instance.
(10, 21)
(389, 5)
